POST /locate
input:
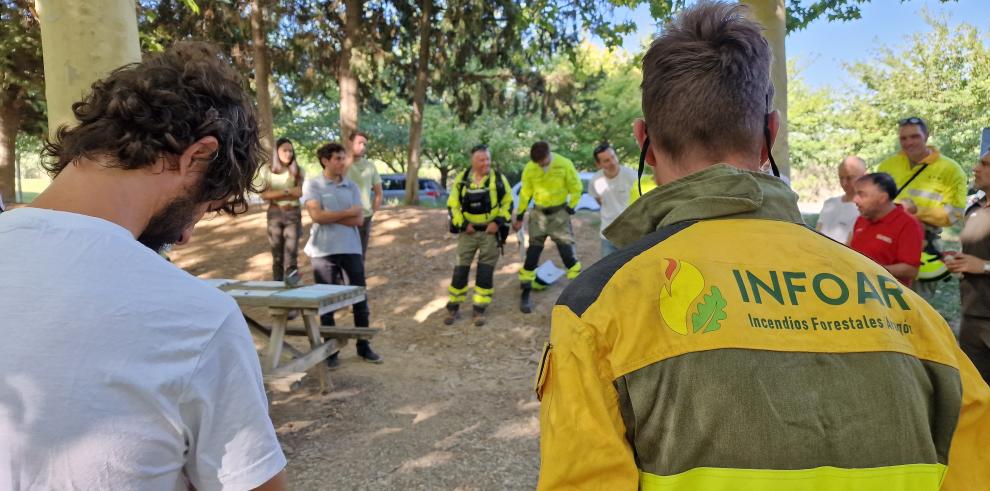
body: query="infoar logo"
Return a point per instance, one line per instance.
(679, 297)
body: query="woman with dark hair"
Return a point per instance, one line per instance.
(282, 184)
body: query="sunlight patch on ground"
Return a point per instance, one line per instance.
(429, 460)
(435, 305)
(524, 332)
(528, 405)
(385, 432)
(382, 240)
(528, 427)
(422, 413)
(376, 281)
(438, 251)
(292, 426)
(341, 394)
(260, 262)
(454, 438)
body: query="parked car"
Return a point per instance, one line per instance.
(587, 202)
(394, 189)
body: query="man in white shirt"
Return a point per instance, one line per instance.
(610, 187)
(119, 370)
(839, 213)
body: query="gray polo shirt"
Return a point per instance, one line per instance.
(332, 238)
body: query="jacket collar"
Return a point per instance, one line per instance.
(720, 191)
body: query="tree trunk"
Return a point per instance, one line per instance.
(419, 98)
(349, 102)
(10, 120)
(773, 15)
(262, 72)
(81, 43)
(444, 176)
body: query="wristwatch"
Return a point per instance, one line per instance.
(986, 268)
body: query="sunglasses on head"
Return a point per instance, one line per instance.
(911, 120)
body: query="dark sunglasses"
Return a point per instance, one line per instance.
(911, 120)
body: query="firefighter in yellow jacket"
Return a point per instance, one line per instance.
(931, 186)
(727, 345)
(552, 182)
(480, 209)
(934, 183)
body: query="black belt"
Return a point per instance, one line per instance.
(550, 210)
(285, 207)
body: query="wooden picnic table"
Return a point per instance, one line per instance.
(311, 301)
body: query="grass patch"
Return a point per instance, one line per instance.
(32, 188)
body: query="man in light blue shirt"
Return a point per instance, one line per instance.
(334, 204)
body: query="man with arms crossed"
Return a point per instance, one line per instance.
(334, 204)
(840, 213)
(726, 345)
(121, 371)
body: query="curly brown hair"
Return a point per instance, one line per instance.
(145, 111)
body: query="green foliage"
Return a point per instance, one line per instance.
(942, 76)
(21, 68)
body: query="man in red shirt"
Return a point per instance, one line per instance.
(884, 232)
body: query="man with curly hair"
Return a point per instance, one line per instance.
(121, 370)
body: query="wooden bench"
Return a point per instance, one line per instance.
(311, 301)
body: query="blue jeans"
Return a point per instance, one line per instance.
(608, 247)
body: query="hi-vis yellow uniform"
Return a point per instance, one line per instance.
(552, 188)
(556, 184)
(733, 348)
(939, 191)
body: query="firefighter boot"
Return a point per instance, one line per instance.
(479, 315)
(525, 303)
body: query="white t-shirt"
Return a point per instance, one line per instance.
(837, 219)
(119, 370)
(613, 192)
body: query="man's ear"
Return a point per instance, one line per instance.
(639, 132)
(773, 124)
(198, 156)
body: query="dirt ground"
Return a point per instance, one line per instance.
(452, 407)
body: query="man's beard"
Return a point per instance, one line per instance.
(166, 227)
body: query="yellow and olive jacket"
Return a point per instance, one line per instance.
(556, 184)
(939, 191)
(730, 347)
(490, 191)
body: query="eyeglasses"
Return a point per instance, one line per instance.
(911, 120)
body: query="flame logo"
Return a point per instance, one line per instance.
(684, 284)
